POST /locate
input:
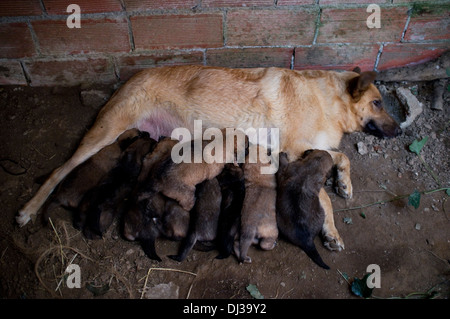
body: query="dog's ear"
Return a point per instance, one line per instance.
(357, 70)
(359, 84)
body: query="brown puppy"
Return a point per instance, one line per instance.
(204, 217)
(258, 215)
(86, 176)
(104, 202)
(178, 180)
(312, 109)
(300, 216)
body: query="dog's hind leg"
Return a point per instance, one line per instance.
(104, 132)
(332, 239)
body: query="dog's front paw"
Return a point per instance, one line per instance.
(22, 218)
(334, 242)
(344, 186)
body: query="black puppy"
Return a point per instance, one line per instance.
(204, 217)
(300, 216)
(232, 186)
(101, 204)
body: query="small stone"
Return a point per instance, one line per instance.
(413, 106)
(418, 226)
(362, 148)
(163, 291)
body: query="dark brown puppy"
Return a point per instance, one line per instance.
(300, 216)
(104, 202)
(72, 189)
(232, 186)
(204, 217)
(258, 215)
(174, 223)
(154, 217)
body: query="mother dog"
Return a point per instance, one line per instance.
(312, 109)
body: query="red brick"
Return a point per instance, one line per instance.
(233, 3)
(345, 57)
(11, 73)
(270, 27)
(250, 57)
(103, 35)
(354, 1)
(20, 8)
(294, 2)
(403, 1)
(139, 5)
(403, 54)
(178, 31)
(86, 6)
(64, 72)
(349, 26)
(129, 65)
(16, 41)
(429, 23)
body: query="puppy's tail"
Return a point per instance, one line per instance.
(311, 250)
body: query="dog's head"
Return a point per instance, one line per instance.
(367, 106)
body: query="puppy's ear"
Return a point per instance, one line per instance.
(359, 84)
(283, 160)
(357, 70)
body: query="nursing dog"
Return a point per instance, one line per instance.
(300, 216)
(311, 108)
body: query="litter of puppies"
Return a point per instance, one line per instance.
(222, 206)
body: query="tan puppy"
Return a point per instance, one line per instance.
(312, 109)
(258, 214)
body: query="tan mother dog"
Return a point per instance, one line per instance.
(312, 109)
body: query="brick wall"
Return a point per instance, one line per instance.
(117, 38)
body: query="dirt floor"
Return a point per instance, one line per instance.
(41, 127)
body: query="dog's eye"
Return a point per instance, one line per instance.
(377, 104)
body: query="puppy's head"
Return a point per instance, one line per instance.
(134, 154)
(367, 106)
(175, 222)
(129, 136)
(316, 165)
(140, 219)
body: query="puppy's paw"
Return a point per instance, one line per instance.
(175, 257)
(246, 260)
(333, 242)
(22, 218)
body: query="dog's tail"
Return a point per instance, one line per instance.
(311, 250)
